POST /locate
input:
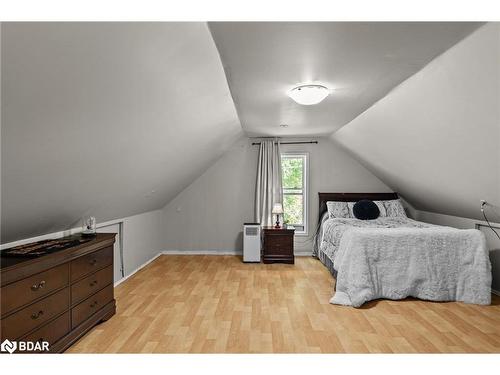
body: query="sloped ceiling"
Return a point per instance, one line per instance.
(436, 137)
(107, 119)
(360, 62)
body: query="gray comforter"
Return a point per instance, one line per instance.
(396, 258)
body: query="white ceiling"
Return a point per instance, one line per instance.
(361, 62)
(108, 119)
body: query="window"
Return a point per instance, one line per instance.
(294, 181)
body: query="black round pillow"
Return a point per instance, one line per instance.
(365, 210)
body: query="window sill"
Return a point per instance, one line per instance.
(301, 234)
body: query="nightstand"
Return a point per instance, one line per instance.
(277, 246)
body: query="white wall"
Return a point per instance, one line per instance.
(209, 214)
(465, 223)
(142, 238)
(436, 137)
(117, 247)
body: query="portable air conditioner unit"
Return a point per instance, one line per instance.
(251, 242)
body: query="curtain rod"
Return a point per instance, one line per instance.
(289, 143)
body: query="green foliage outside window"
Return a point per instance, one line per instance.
(292, 180)
(292, 172)
(292, 207)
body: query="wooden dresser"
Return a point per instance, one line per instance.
(60, 296)
(277, 246)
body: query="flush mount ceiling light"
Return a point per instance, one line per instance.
(308, 94)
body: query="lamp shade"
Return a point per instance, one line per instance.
(277, 208)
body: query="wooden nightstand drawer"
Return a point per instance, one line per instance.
(279, 244)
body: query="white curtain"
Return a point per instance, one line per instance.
(268, 190)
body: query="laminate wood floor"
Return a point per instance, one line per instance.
(217, 304)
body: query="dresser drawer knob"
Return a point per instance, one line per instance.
(93, 283)
(93, 262)
(94, 304)
(36, 315)
(38, 286)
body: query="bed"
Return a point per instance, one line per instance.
(395, 257)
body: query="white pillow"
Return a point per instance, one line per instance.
(394, 208)
(350, 207)
(380, 205)
(337, 210)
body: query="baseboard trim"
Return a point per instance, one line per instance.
(304, 254)
(220, 252)
(201, 252)
(136, 270)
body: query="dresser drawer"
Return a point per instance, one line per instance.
(91, 262)
(91, 284)
(51, 332)
(90, 306)
(27, 290)
(33, 316)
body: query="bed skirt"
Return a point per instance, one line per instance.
(327, 262)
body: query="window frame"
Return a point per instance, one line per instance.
(305, 190)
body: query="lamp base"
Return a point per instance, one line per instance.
(277, 226)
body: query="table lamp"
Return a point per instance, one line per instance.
(277, 209)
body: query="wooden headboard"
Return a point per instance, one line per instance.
(351, 197)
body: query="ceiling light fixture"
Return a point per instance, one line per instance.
(308, 94)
